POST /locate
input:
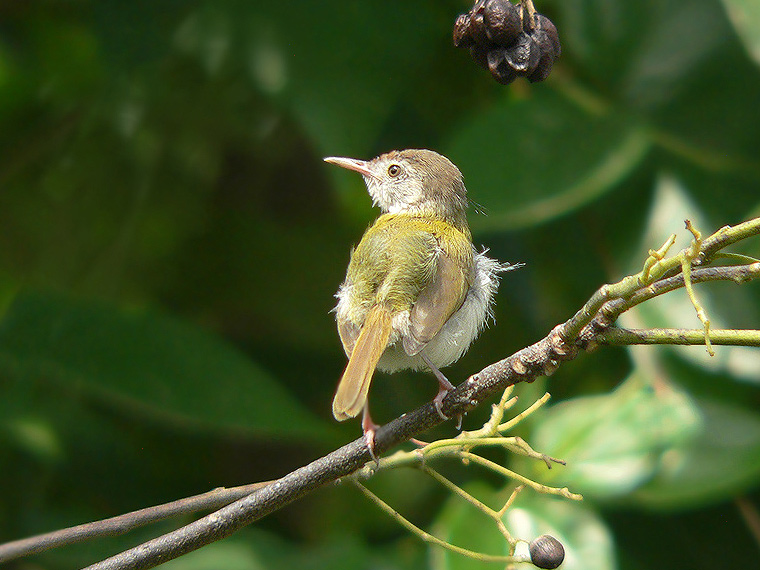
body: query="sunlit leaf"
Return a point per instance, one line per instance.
(745, 16)
(460, 524)
(613, 443)
(33, 435)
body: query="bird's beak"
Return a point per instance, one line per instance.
(360, 166)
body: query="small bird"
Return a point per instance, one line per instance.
(417, 293)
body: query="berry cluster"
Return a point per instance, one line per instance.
(506, 40)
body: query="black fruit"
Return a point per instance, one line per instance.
(546, 25)
(502, 20)
(546, 552)
(498, 66)
(503, 39)
(523, 57)
(462, 36)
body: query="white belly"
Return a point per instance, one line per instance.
(453, 340)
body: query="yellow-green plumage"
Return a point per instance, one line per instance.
(397, 258)
(416, 292)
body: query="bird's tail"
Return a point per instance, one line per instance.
(354, 384)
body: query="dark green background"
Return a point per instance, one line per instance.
(170, 242)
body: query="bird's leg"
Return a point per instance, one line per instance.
(369, 427)
(444, 386)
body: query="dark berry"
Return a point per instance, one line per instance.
(542, 70)
(462, 36)
(546, 552)
(502, 21)
(544, 42)
(546, 25)
(477, 25)
(523, 57)
(498, 66)
(547, 56)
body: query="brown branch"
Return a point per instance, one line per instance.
(121, 524)
(563, 343)
(524, 366)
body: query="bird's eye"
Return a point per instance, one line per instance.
(394, 170)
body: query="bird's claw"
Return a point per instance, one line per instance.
(369, 427)
(438, 403)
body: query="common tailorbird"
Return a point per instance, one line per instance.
(417, 292)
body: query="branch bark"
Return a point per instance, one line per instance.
(121, 524)
(586, 329)
(523, 366)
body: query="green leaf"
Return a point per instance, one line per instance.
(745, 16)
(615, 442)
(643, 52)
(144, 360)
(133, 33)
(254, 548)
(34, 435)
(719, 463)
(602, 35)
(533, 160)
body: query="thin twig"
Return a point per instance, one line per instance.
(563, 492)
(457, 490)
(731, 337)
(727, 235)
(115, 526)
(426, 536)
(688, 256)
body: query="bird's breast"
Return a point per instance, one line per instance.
(393, 263)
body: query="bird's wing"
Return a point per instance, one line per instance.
(438, 300)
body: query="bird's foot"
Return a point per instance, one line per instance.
(369, 427)
(444, 386)
(438, 402)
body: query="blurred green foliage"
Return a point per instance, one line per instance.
(170, 242)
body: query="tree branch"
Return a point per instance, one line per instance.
(583, 331)
(121, 524)
(524, 366)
